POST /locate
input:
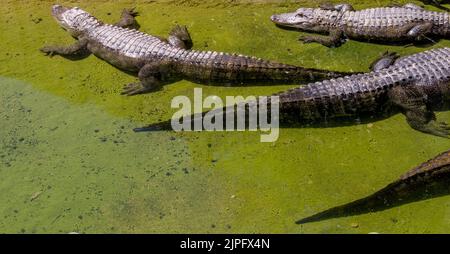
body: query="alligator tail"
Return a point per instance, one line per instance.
(239, 113)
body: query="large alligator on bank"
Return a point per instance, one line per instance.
(158, 61)
(408, 23)
(433, 174)
(416, 85)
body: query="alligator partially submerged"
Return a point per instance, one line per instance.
(404, 190)
(408, 23)
(158, 61)
(416, 85)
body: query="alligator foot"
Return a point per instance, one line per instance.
(337, 7)
(335, 39)
(150, 77)
(414, 103)
(420, 31)
(49, 50)
(128, 19)
(439, 129)
(424, 121)
(307, 39)
(136, 88)
(180, 37)
(413, 6)
(408, 5)
(131, 12)
(384, 61)
(78, 49)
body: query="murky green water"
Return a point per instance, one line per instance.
(70, 162)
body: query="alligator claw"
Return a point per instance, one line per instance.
(47, 51)
(444, 126)
(131, 89)
(440, 129)
(306, 39)
(132, 12)
(135, 89)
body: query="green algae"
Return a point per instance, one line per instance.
(71, 168)
(66, 136)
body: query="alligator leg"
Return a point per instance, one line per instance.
(408, 5)
(180, 37)
(420, 31)
(151, 77)
(418, 115)
(413, 6)
(128, 19)
(79, 48)
(337, 7)
(384, 61)
(335, 38)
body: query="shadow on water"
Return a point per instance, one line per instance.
(385, 199)
(291, 121)
(264, 80)
(285, 122)
(76, 57)
(429, 180)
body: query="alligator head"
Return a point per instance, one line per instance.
(304, 18)
(74, 20)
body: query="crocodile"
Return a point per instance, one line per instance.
(159, 61)
(407, 23)
(408, 188)
(416, 85)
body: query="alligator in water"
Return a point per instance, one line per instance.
(158, 61)
(408, 23)
(416, 85)
(431, 175)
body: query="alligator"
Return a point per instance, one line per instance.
(407, 23)
(416, 85)
(159, 61)
(408, 188)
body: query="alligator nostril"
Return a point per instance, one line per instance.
(55, 8)
(273, 18)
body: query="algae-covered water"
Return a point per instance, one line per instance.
(70, 162)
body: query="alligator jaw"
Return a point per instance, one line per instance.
(283, 19)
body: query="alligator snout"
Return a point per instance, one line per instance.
(274, 18)
(58, 10)
(281, 19)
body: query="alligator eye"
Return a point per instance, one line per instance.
(300, 15)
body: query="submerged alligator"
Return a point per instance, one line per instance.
(416, 85)
(387, 24)
(158, 61)
(433, 172)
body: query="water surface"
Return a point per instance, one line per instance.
(70, 162)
